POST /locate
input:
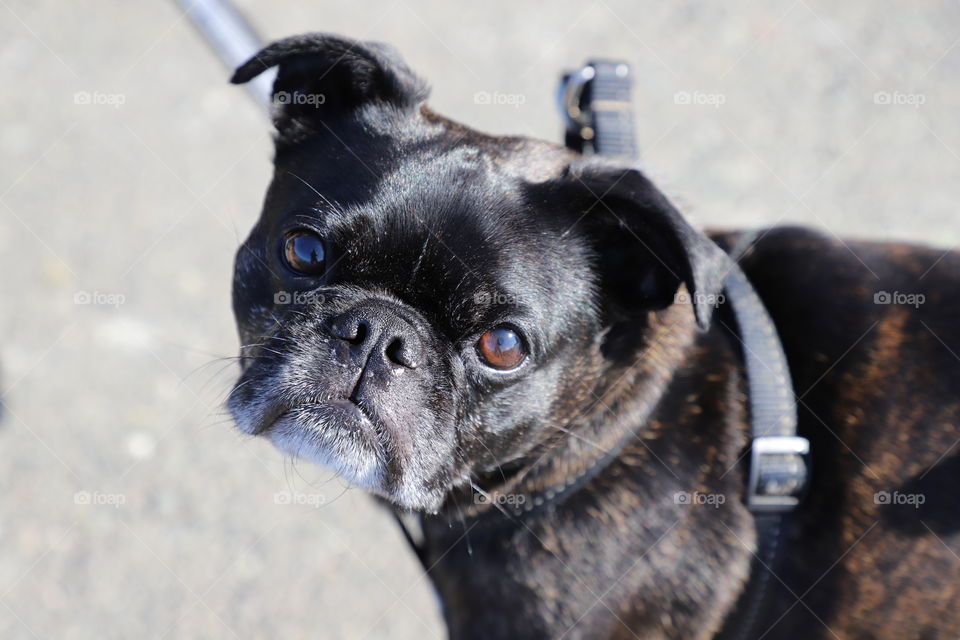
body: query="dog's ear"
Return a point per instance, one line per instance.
(644, 247)
(322, 77)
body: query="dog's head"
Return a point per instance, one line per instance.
(420, 302)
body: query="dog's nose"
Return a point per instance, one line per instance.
(377, 331)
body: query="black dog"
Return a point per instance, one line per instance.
(484, 331)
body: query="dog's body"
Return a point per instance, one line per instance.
(495, 317)
(620, 560)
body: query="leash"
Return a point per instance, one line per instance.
(595, 102)
(232, 39)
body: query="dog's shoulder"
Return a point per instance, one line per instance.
(819, 287)
(872, 337)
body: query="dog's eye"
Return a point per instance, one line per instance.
(303, 252)
(502, 348)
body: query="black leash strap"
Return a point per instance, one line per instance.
(232, 39)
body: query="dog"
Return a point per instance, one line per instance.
(521, 347)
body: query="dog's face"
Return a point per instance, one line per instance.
(420, 303)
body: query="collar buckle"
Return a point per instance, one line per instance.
(778, 473)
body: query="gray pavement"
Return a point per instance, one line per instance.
(129, 508)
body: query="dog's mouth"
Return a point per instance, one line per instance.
(382, 435)
(343, 410)
(337, 434)
(342, 416)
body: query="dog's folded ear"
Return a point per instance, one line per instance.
(644, 247)
(322, 77)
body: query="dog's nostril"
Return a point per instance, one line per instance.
(350, 329)
(398, 353)
(359, 333)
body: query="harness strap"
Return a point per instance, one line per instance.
(777, 472)
(778, 469)
(596, 104)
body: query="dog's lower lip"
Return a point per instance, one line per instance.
(349, 407)
(346, 406)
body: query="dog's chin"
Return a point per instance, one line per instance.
(339, 436)
(335, 435)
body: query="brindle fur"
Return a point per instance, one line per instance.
(878, 399)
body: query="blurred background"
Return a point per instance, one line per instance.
(131, 170)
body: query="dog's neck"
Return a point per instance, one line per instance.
(640, 547)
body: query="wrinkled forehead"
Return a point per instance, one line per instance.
(446, 231)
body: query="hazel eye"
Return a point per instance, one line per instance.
(502, 348)
(303, 251)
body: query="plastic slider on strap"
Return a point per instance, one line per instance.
(595, 101)
(778, 473)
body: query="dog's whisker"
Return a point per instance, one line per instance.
(489, 498)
